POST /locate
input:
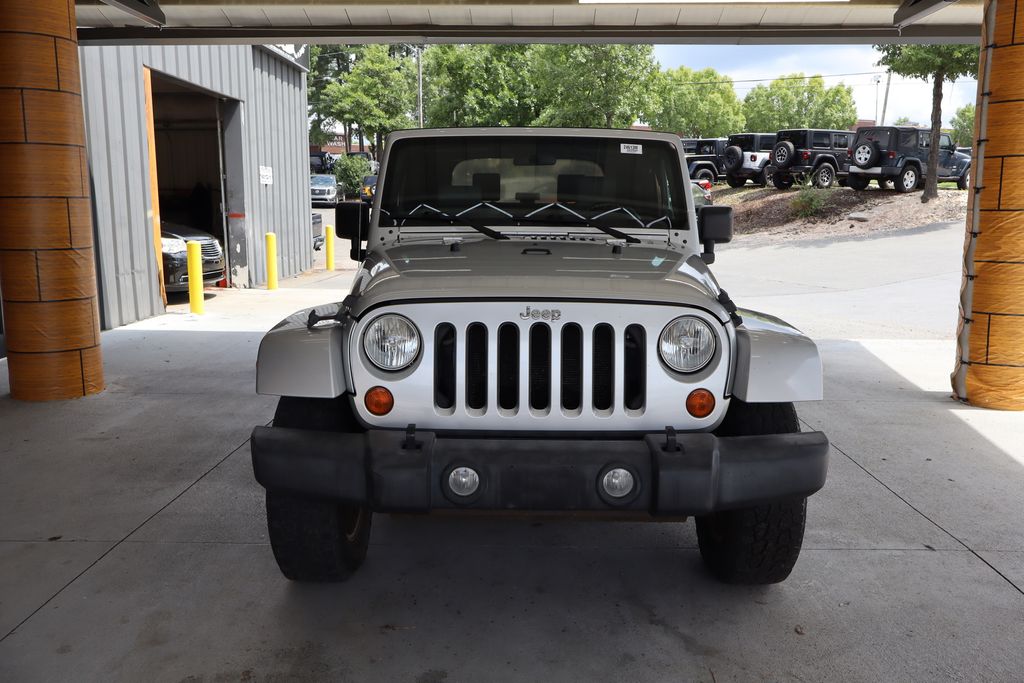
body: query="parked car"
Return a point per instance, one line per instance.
(822, 156)
(318, 231)
(374, 164)
(321, 162)
(705, 158)
(325, 189)
(368, 187)
(900, 154)
(534, 328)
(173, 239)
(701, 193)
(746, 157)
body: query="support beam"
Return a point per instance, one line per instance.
(990, 361)
(47, 267)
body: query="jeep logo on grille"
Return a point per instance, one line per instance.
(541, 314)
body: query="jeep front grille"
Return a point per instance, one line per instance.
(547, 365)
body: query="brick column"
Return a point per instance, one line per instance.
(47, 267)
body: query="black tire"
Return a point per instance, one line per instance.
(908, 179)
(857, 182)
(824, 176)
(964, 181)
(784, 154)
(866, 154)
(317, 540)
(735, 182)
(704, 174)
(782, 181)
(314, 539)
(760, 544)
(733, 158)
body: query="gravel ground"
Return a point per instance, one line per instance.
(767, 213)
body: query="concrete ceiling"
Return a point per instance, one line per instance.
(657, 21)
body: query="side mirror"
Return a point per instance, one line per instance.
(352, 222)
(715, 226)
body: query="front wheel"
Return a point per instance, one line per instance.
(964, 181)
(735, 182)
(782, 181)
(705, 174)
(755, 545)
(316, 540)
(758, 544)
(857, 182)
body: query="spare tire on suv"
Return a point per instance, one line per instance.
(784, 154)
(866, 154)
(733, 158)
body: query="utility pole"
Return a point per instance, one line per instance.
(885, 102)
(877, 79)
(419, 78)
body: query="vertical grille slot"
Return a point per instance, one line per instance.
(444, 366)
(476, 366)
(508, 366)
(540, 366)
(635, 371)
(604, 366)
(572, 367)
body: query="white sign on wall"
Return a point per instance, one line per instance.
(266, 175)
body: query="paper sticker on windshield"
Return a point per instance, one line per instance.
(625, 148)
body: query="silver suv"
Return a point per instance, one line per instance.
(534, 328)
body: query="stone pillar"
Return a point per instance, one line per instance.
(990, 361)
(47, 266)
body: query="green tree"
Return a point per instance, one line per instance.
(327, 64)
(478, 85)
(603, 86)
(350, 171)
(963, 126)
(378, 93)
(695, 103)
(797, 101)
(938, 64)
(902, 121)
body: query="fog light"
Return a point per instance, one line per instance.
(379, 401)
(463, 481)
(618, 482)
(700, 403)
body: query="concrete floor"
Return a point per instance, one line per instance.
(133, 547)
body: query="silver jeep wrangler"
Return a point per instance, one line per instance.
(534, 329)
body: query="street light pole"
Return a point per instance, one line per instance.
(878, 79)
(419, 79)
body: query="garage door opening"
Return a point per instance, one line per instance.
(192, 178)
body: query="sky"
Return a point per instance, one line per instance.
(907, 97)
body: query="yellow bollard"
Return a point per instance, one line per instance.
(329, 245)
(195, 277)
(271, 261)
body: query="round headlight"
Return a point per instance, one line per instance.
(391, 342)
(687, 344)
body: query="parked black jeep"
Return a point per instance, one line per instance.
(803, 153)
(705, 158)
(746, 157)
(900, 154)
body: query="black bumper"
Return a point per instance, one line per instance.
(391, 471)
(877, 172)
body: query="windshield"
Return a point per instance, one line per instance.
(515, 180)
(322, 181)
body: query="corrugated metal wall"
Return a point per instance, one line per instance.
(272, 93)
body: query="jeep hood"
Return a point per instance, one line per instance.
(541, 270)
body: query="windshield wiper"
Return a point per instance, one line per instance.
(431, 212)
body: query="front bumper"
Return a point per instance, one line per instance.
(176, 273)
(677, 474)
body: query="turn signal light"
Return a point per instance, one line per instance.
(700, 403)
(379, 401)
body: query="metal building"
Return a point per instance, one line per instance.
(173, 128)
